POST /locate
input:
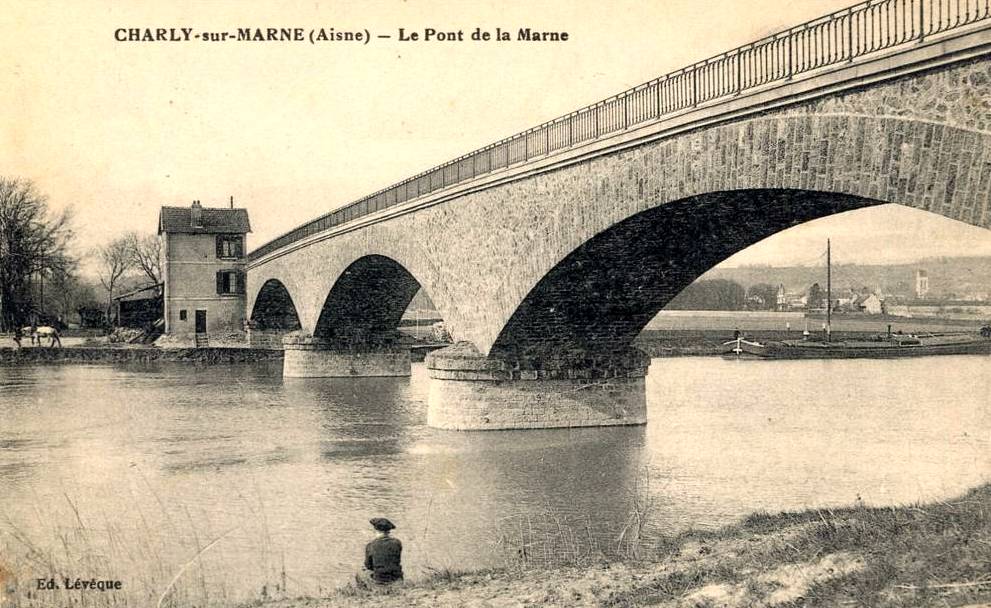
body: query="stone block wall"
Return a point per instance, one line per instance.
(472, 392)
(269, 339)
(307, 357)
(531, 404)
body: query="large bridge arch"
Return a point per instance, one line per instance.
(481, 255)
(600, 296)
(921, 140)
(728, 187)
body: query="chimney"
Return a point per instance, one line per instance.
(196, 215)
(232, 201)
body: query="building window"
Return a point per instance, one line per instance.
(230, 282)
(182, 315)
(230, 246)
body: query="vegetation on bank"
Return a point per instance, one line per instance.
(106, 354)
(937, 554)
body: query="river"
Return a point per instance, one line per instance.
(130, 472)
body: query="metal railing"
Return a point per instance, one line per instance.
(837, 38)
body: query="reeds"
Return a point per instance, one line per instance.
(162, 561)
(549, 538)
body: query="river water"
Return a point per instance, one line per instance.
(130, 472)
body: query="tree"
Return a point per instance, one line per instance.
(71, 293)
(144, 253)
(816, 299)
(715, 294)
(115, 260)
(762, 296)
(34, 242)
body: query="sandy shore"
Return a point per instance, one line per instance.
(924, 555)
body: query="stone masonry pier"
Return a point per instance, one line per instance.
(309, 357)
(472, 392)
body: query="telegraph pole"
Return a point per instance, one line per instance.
(829, 292)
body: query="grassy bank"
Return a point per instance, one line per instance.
(922, 555)
(708, 342)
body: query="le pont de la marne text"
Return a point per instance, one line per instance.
(314, 35)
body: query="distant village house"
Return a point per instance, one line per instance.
(869, 304)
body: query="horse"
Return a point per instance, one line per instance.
(44, 331)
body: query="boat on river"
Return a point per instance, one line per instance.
(877, 347)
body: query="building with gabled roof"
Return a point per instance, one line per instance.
(203, 267)
(210, 220)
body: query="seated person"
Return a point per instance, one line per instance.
(383, 555)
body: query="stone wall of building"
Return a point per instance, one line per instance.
(191, 266)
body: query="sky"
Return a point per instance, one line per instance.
(292, 130)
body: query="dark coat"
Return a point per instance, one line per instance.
(383, 556)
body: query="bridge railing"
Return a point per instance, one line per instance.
(837, 38)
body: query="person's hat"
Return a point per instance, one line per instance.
(381, 524)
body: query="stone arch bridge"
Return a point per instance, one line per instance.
(548, 252)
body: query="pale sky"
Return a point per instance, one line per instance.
(292, 130)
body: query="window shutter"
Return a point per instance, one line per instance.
(241, 276)
(220, 281)
(220, 245)
(239, 247)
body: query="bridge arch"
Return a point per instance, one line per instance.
(366, 303)
(274, 309)
(667, 212)
(599, 297)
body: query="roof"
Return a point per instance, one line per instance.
(131, 294)
(864, 297)
(213, 221)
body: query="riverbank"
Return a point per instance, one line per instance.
(920, 555)
(124, 354)
(712, 342)
(656, 343)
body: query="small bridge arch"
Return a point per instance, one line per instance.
(272, 315)
(366, 303)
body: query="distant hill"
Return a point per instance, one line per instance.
(951, 278)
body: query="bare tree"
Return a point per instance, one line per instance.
(144, 253)
(33, 242)
(115, 260)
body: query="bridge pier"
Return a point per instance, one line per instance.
(469, 391)
(266, 339)
(309, 357)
